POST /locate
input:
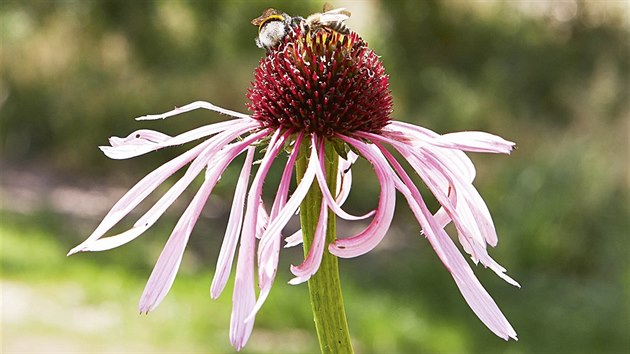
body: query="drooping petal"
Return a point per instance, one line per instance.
(192, 106)
(344, 177)
(213, 146)
(475, 295)
(296, 198)
(269, 247)
(443, 170)
(294, 239)
(262, 219)
(475, 142)
(138, 193)
(143, 141)
(470, 214)
(466, 222)
(166, 268)
(280, 221)
(366, 240)
(244, 297)
(235, 223)
(323, 186)
(423, 137)
(304, 271)
(344, 184)
(471, 207)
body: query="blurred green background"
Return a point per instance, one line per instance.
(550, 75)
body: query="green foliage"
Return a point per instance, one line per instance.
(553, 78)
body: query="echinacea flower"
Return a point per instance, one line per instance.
(313, 89)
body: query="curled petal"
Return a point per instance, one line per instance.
(366, 240)
(296, 198)
(293, 240)
(344, 177)
(140, 137)
(323, 186)
(141, 142)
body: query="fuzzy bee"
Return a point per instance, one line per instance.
(273, 26)
(330, 19)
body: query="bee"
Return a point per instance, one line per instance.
(330, 19)
(273, 26)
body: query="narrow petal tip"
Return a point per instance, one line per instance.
(77, 249)
(298, 280)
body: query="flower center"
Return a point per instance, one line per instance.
(323, 82)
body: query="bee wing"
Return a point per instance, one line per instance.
(333, 17)
(341, 10)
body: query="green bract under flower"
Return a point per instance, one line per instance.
(323, 82)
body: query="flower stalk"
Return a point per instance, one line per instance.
(324, 286)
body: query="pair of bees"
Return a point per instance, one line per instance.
(274, 25)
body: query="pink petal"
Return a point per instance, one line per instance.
(193, 106)
(166, 268)
(244, 297)
(140, 137)
(304, 271)
(323, 186)
(143, 141)
(344, 184)
(423, 137)
(366, 240)
(276, 225)
(235, 223)
(471, 206)
(462, 214)
(440, 169)
(269, 247)
(138, 193)
(344, 177)
(262, 219)
(293, 240)
(283, 216)
(150, 217)
(475, 142)
(475, 295)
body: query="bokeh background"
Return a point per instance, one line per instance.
(550, 75)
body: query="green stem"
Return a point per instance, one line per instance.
(324, 286)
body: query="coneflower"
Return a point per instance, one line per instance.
(322, 98)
